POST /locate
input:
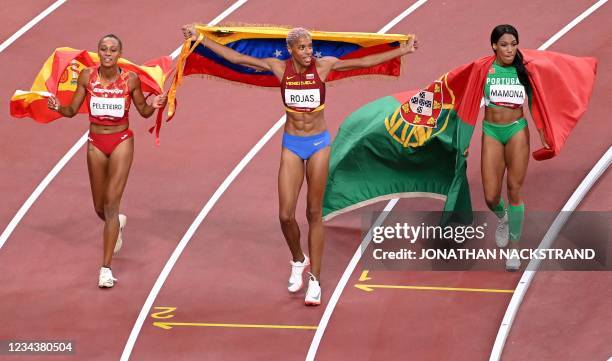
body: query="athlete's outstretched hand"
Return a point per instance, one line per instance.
(53, 103)
(409, 46)
(159, 101)
(189, 31)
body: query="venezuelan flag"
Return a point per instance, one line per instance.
(269, 42)
(59, 76)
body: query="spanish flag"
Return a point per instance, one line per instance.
(269, 42)
(412, 144)
(59, 76)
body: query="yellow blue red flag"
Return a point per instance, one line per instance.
(269, 42)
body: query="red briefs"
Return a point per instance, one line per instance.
(106, 143)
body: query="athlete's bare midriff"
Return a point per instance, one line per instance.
(107, 129)
(503, 115)
(305, 124)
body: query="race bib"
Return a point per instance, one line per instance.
(507, 94)
(303, 98)
(107, 107)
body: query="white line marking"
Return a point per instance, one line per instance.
(192, 229)
(579, 193)
(401, 16)
(573, 23)
(41, 187)
(549, 237)
(350, 268)
(31, 24)
(176, 52)
(62, 162)
(335, 297)
(331, 305)
(215, 21)
(161, 279)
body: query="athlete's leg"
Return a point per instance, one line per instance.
(517, 159)
(97, 163)
(492, 170)
(316, 177)
(119, 165)
(290, 179)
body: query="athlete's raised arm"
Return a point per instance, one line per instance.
(268, 64)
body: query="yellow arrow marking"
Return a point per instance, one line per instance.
(164, 313)
(364, 276)
(370, 288)
(169, 325)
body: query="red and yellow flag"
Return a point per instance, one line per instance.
(59, 76)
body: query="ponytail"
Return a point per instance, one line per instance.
(521, 71)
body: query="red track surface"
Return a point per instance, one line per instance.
(235, 267)
(15, 15)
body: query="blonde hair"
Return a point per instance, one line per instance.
(295, 34)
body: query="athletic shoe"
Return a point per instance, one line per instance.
(122, 223)
(513, 263)
(295, 279)
(502, 232)
(313, 294)
(106, 278)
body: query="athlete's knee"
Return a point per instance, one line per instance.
(111, 208)
(492, 199)
(100, 212)
(314, 214)
(514, 197)
(514, 191)
(286, 217)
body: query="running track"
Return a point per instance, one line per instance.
(234, 269)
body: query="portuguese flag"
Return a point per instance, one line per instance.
(412, 144)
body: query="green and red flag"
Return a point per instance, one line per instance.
(412, 144)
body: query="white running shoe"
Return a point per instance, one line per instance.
(513, 264)
(313, 294)
(122, 223)
(106, 278)
(503, 231)
(295, 279)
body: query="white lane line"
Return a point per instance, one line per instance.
(350, 268)
(30, 24)
(525, 281)
(215, 21)
(41, 187)
(335, 297)
(331, 305)
(401, 16)
(573, 23)
(161, 279)
(189, 234)
(62, 162)
(579, 193)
